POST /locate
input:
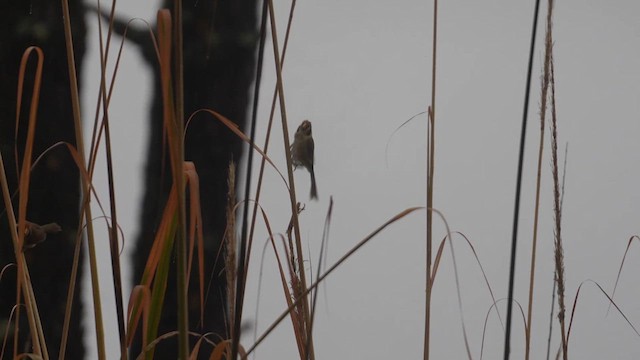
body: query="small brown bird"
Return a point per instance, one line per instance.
(35, 234)
(302, 153)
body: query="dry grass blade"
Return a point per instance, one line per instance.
(25, 169)
(323, 246)
(486, 321)
(196, 236)
(624, 257)
(195, 352)
(160, 256)
(149, 348)
(223, 351)
(6, 268)
(121, 235)
(431, 149)
(431, 277)
(236, 130)
(170, 39)
(83, 172)
(139, 304)
(386, 148)
(321, 278)
(178, 178)
(281, 271)
(164, 232)
(290, 292)
(475, 255)
(7, 330)
(575, 303)
(84, 175)
(157, 268)
(24, 282)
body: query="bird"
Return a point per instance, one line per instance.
(302, 153)
(34, 234)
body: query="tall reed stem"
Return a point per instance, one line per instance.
(430, 169)
(86, 194)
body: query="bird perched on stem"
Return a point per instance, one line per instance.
(35, 234)
(302, 153)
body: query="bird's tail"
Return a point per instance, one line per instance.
(314, 189)
(51, 228)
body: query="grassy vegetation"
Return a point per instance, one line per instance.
(179, 236)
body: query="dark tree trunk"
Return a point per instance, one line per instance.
(220, 39)
(54, 194)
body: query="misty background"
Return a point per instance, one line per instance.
(358, 70)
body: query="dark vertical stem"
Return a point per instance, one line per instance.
(516, 210)
(113, 230)
(243, 257)
(430, 168)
